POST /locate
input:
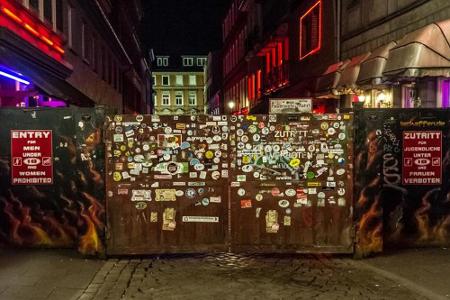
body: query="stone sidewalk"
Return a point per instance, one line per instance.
(61, 274)
(45, 274)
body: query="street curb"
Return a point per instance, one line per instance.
(423, 291)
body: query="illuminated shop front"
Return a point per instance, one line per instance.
(32, 65)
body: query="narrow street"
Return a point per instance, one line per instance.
(62, 274)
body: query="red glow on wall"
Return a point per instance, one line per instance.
(318, 5)
(16, 18)
(258, 84)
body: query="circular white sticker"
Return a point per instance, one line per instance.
(241, 192)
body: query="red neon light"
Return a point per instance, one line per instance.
(319, 44)
(280, 54)
(32, 29)
(258, 84)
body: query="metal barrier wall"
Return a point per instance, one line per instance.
(51, 178)
(402, 169)
(169, 179)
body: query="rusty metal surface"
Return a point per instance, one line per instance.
(167, 184)
(292, 183)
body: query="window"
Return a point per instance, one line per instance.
(48, 11)
(179, 79)
(188, 61)
(179, 98)
(165, 99)
(193, 98)
(165, 80)
(59, 20)
(162, 61)
(201, 61)
(69, 26)
(310, 30)
(192, 80)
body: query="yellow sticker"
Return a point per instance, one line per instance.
(346, 117)
(314, 184)
(123, 148)
(209, 154)
(294, 162)
(330, 155)
(251, 118)
(246, 159)
(117, 176)
(118, 118)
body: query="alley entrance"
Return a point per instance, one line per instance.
(212, 183)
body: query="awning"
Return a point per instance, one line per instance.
(327, 82)
(424, 52)
(371, 70)
(349, 74)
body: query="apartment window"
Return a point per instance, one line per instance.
(34, 4)
(179, 98)
(69, 26)
(192, 80)
(59, 19)
(201, 62)
(188, 61)
(165, 80)
(48, 10)
(310, 30)
(166, 99)
(179, 79)
(162, 61)
(192, 98)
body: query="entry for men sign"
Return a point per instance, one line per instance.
(422, 157)
(31, 157)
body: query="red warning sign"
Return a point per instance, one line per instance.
(31, 157)
(422, 157)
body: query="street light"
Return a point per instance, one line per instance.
(231, 105)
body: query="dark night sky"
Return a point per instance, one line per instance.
(183, 26)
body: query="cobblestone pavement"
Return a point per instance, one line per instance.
(231, 276)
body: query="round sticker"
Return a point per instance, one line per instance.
(268, 148)
(190, 193)
(275, 191)
(265, 131)
(145, 147)
(201, 191)
(283, 203)
(256, 174)
(139, 118)
(341, 160)
(240, 132)
(256, 138)
(310, 175)
(118, 118)
(217, 138)
(179, 193)
(215, 175)
(209, 154)
(241, 192)
(324, 125)
(199, 167)
(276, 148)
(252, 129)
(240, 145)
(168, 130)
(205, 201)
(244, 139)
(247, 168)
(341, 191)
(117, 176)
(288, 211)
(331, 131)
(246, 159)
(290, 192)
(341, 136)
(216, 160)
(294, 163)
(259, 197)
(321, 195)
(340, 172)
(194, 161)
(166, 157)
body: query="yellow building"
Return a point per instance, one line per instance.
(178, 85)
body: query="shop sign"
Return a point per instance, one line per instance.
(31, 157)
(290, 106)
(422, 157)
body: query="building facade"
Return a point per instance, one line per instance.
(338, 53)
(213, 80)
(179, 84)
(72, 53)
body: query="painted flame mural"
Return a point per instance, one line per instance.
(390, 214)
(70, 213)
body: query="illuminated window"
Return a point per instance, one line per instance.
(179, 79)
(310, 31)
(192, 80)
